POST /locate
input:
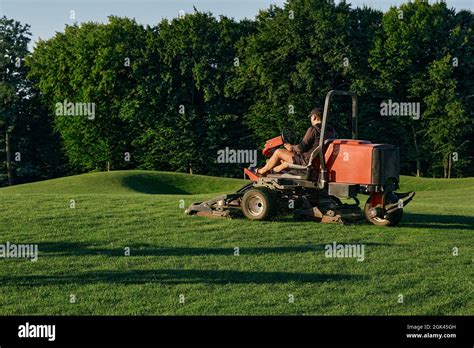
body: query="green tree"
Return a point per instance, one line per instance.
(411, 38)
(174, 94)
(189, 115)
(28, 146)
(446, 117)
(14, 38)
(299, 53)
(167, 108)
(93, 63)
(462, 50)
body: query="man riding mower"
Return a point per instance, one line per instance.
(331, 170)
(298, 154)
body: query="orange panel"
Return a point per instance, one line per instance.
(250, 175)
(349, 161)
(271, 144)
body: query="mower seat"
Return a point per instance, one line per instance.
(306, 168)
(286, 176)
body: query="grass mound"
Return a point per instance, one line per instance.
(410, 183)
(154, 182)
(129, 181)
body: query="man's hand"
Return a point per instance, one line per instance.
(289, 147)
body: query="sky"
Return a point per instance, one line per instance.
(49, 16)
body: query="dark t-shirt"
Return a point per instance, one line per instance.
(310, 142)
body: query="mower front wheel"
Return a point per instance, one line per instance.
(259, 204)
(392, 219)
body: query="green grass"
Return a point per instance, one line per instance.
(126, 182)
(81, 252)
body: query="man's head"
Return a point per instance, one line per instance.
(316, 116)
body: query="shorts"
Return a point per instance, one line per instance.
(300, 159)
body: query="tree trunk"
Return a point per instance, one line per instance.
(418, 163)
(445, 168)
(8, 153)
(450, 163)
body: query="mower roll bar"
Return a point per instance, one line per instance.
(323, 175)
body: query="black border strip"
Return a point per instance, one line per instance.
(239, 330)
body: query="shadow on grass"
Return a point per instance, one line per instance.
(82, 249)
(175, 276)
(144, 183)
(442, 222)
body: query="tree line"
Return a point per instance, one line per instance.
(170, 96)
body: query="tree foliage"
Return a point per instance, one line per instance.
(28, 147)
(170, 96)
(413, 37)
(90, 64)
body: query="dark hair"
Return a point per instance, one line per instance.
(316, 112)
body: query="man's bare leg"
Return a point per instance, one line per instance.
(282, 166)
(279, 157)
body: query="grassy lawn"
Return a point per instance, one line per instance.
(81, 252)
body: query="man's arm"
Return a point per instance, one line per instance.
(306, 143)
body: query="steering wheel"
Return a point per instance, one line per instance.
(288, 136)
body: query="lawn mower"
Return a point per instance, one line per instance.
(338, 170)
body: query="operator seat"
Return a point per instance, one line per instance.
(307, 171)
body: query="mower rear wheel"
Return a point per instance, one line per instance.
(392, 219)
(259, 204)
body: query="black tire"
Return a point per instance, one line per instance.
(392, 219)
(259, 204)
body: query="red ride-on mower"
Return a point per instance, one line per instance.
(338, 169)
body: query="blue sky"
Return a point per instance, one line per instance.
(48, 16)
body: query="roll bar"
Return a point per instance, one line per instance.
(323, 175)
